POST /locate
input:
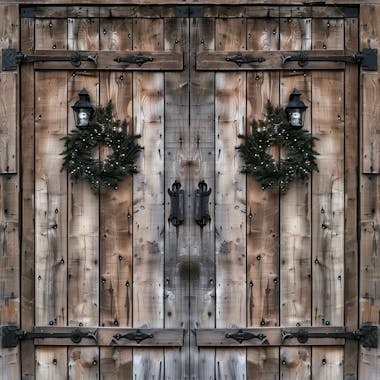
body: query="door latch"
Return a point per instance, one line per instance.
(11, 335)
(138, 59)
(12, 58)
(242, 335)
(366, 335)
(177, 204)
(138, 336)
(367, 59)
(240, 59)
(202, 195)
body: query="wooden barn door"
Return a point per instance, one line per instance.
(113, 262)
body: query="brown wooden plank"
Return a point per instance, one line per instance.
(327, 364)
(51, 363)
(262, 212)
(9, 38)
(295, 217)
(202, 156)
(83, 217)
(295, 363)
(351, 274)
(216, 61)
(178, 265)
(230, 198)
(50, 200)
(116, 214)
(328, 34)
(328, 203)
(271, 336)
(161, 61)
(27, 198)
(148, 190)
(51, 34)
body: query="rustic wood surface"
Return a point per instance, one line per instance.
(230, 199)
(148, 190)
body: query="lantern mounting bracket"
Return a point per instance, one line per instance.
(367, 59)
(13, 58)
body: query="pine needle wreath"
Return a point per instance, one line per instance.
(81, 144)
(297, 143)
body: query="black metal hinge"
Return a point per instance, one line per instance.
(12, 58)
(366, 335)
(367, 59)
(12, 335)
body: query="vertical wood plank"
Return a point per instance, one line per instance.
(51, 363)
(50, 200)
(230, 199)
(328, 33)
(9, 38)
(51, 34)
(116, 213)
(369, 364)
(327, 363)
(328, 206)
(262, 212)
(148, 190)
(370, 130)
(202, 156)
(27, 198)
(351, 133)
(178, 266)
(83, 218)
(295, 218)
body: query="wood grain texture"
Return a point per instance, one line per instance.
(327, 364)
(83, 363)
(9, 38)
(230, 199)
(115, 33)
(202, 159)
(51, 34)
(51, 363)
(115, 363)
(295, 364)
(50, 200)
(148, 190)
(178, 265)
(351, 159)
(262, 212)
(27, 198)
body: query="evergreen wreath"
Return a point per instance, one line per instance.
(80, 145)
(297, 143)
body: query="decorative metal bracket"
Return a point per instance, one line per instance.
(138, 336)
(138, 59)
(367, 59)
(241, 336)
(12, 58)
(177, 204)
(11, 335)
(240, 59)
(202, 195)
(366, 335)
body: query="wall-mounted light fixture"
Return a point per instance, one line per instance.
(296, 110)
(83, 110)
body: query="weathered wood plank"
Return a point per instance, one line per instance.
(51, 363)
(271, 60)
(295, 363)
(230, 199)
(262, 212)
(116, 214)
(328, 34)
(83, 363)
(9, 38)
(148, 190)
(327, 364)
(177, 245)
(295, 34)
(202, 159)
(351, 270)
(83, 34)
(328, 205)
(50, 200)
(51, 34)
(27, 198)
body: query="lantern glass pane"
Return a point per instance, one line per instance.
(295, 118)
(82, 117)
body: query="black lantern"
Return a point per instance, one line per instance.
(82, 110)
(296, 110)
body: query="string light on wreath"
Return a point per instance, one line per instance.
(297, 143)
(80, 145)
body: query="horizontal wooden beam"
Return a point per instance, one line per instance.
(105, 60)
(270, 60)
(106, 337)
(269, 336)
